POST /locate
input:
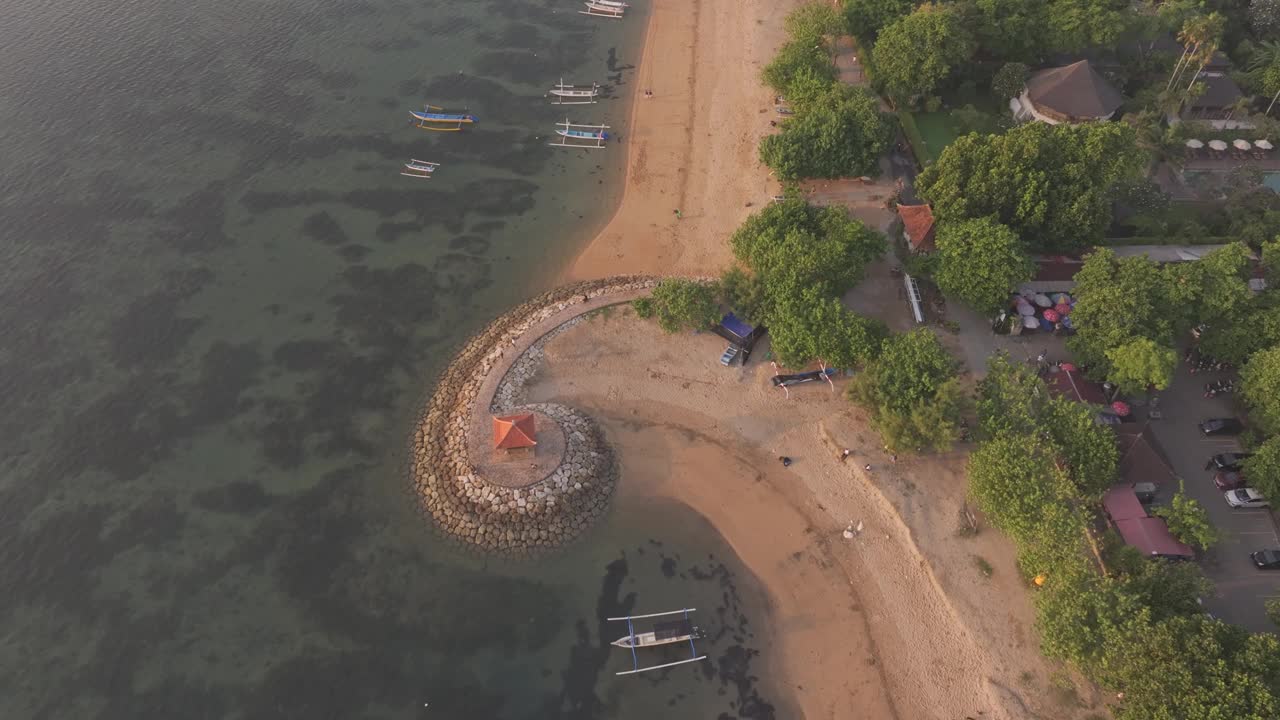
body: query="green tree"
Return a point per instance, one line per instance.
(1188, 521)
(911, 393)
(910, 369)
(1079, 613)
(980, 262)
(865, 18)
(1209, 289)
(1086, 449)
(1141, 363)
(685, 305)
(1263, 469)
(796, 58)
(1191, 667)
(814, 22)
(1272, 606)
(1072, 25)
(1167, 589)
(792, 244)
(915, 53)
(1048, 183)
(1011, 398)
(1010, 29)
(810, 325)
(1260, 387)
(1117, 300)
(744, 294)
(1009, 81)
(840, 133)
(1014, 481)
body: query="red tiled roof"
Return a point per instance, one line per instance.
(1074, 386)
(513, 431)
(917, 225)
(1058, 268)
(1148, 534)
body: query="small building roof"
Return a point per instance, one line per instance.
(513, 431)
(1220, 92)
(736, 326)
(918, 226)
(1148, 534)
(1074, 386)
(1074, 90)
(1142, 459)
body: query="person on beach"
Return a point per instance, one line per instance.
(868, 467)
(679, 216)
(786, 461)
(844, 455)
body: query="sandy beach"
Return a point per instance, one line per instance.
(897, 622)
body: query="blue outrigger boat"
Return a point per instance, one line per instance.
(432, 116)
(580, 136)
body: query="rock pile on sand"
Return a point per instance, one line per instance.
(545, 511)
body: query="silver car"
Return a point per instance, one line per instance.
(1245, 498)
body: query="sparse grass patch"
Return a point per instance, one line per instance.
(983, 566)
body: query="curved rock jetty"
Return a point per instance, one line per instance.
(514, 504)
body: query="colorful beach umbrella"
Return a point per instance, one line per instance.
(1062, 308)
(1120, 408)
(1195, 144)
(1051, 315)
(1242, 144)
(1217, 145)
(1068, 367)
(1264, 144)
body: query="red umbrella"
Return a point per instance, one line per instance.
(1062, 308)
(1051, 316)
(1068, 367)
(1121, 409)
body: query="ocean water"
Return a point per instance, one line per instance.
(220, 308)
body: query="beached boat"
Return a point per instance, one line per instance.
(435, 118)
(597, 8)
(419, 168)
(612, 3)
(573, 135)
(574, 94)
(663, 633)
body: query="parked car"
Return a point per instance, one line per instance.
(1222, 426)
(1227, 461)
(1266, 559)
(1228, 480)
(1245, 498)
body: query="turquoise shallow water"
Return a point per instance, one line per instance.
(221, 307)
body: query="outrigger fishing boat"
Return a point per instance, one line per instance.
(573, 135)
(435, 118)
(419, 168)
(574, 94)
(604, 8)
(663, 633)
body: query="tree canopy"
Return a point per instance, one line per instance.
(1009, 80)
(1014, 482)
(1117, 300)
(911, 392)
(1048, 183)
(1260, 388)
(839, 132)
(811, 325)
(1141, 363)
(915, 53)
(980, 262)
(1188, 521)
(865, 18)
(1262, 471)
(680, 304)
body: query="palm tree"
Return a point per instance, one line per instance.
(1264, 68)
(1200, 37)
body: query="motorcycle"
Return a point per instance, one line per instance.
(1221, 387)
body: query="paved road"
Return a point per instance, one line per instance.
(1240, 587)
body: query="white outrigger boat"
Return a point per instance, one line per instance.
(573, 135)
(663, 633)
(604, 8)
(419, 169)
(574, 94)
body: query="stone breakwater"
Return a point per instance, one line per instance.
(543, 512)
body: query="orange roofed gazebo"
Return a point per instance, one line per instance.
(511, 432)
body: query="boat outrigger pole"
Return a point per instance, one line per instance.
(662, 634)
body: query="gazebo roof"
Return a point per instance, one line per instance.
(513, 431)
(1074, 90)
